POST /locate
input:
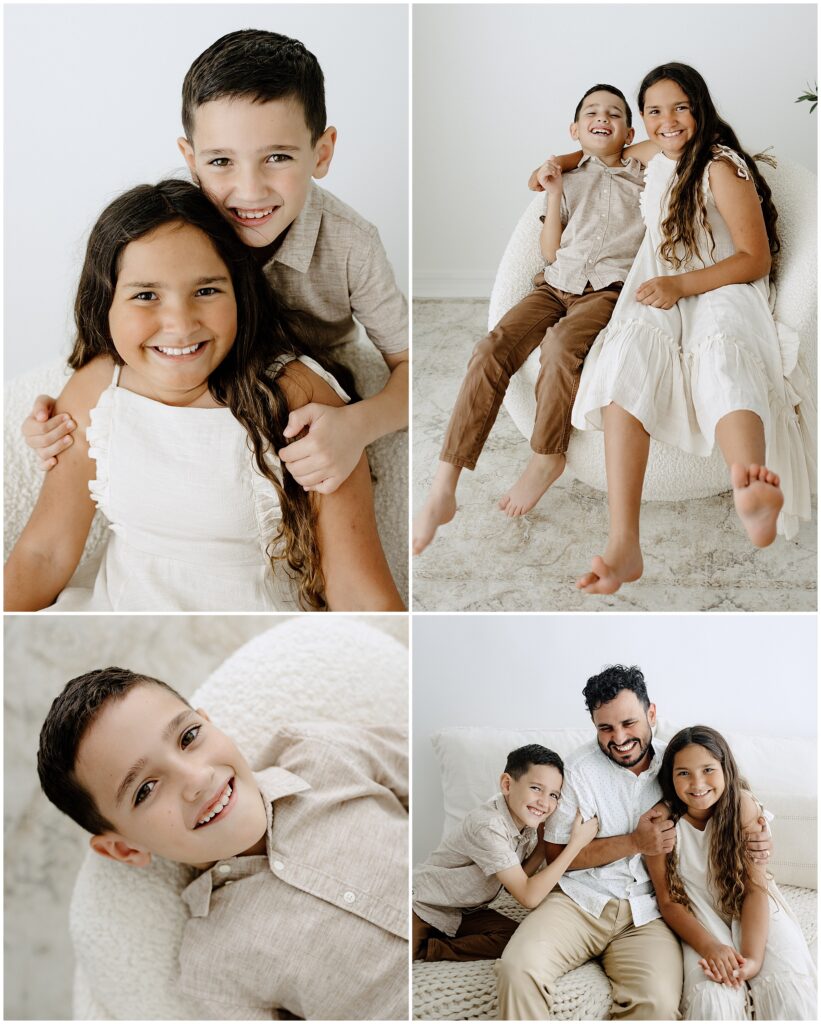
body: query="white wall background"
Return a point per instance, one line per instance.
(750, 673)
(93, 107)
(495, 87)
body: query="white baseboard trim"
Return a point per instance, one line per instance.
(436, 285)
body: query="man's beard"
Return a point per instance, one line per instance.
(616, 758)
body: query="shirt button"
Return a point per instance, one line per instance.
(278, 865)
(349, 897)
(230, 881)
(224, 869)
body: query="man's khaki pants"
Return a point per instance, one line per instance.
(643, 964)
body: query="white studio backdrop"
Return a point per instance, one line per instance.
(92, 107)
(495, 88)
(749, 673)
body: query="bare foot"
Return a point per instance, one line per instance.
(439, 508)
(620, 563)
(758, 500)
(540, 472)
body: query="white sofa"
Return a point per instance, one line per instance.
(470, 758)
(673, 475)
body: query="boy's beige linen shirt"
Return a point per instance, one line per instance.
(602, 222)
(460, 875)
(317, 927)
(332, 265)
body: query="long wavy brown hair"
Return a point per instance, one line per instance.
(687, 212)
(729, 865)
(247, 381)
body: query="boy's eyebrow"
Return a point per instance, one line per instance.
(262, 149)
(138, 766)
(157, 284)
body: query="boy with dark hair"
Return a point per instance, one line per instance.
(255, 137)
(302, 862)
(591, 232)
(498, 845)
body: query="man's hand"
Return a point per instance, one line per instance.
(47, 434)
(655, 833)
(759, 841)
(325, 458)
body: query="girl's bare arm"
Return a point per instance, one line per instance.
(357, 577)
(51, 545)
(755, 911)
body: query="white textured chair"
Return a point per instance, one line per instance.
(388, 459)
(127, 923)
(672, 474)
(469, 759)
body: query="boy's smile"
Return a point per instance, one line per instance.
(170, 782)
(533, 797)
(601, 129)
(255, 162)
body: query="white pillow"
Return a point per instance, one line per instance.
(126, 923)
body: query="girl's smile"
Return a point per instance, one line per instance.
(668, 117)
(173, 318)
(698, 779)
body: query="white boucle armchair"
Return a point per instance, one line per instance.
(673, 475)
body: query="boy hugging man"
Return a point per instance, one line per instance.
(498, 845)
(591, 232)
(256, 134)
(299, 904)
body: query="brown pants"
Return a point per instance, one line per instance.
(482, 935)
(565, 326)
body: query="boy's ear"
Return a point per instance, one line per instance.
(574, 130)
(631, 134)
(187, 151)
(504, 783)
(114, 846)
(324, 152)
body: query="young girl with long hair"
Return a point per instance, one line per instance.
(741, 943)
(186, 370)
(692, 355)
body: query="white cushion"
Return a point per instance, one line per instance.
(671, 474)
(127, 923)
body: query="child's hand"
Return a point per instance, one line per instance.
(48, 435)
(749, 968)
(549, 177)
(661, 292)
(325, 458)
(722, 964)
(583, 831)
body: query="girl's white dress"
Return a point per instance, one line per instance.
(680, 370)
(784, 988)
(190, 515)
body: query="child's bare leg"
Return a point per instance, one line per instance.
(540, 472)
(626, 447)
(439, 507)
(756, 490)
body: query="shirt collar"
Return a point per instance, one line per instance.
(298, 246)
(274, 784)
(510, 824)
(625, 164)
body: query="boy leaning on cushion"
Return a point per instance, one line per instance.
(298, 898)
(498, 845)
(255, 136)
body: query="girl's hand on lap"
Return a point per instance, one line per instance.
(749, 969)
(661, 292)
(328, 454)
(722, 964)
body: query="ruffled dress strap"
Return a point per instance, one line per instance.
(98, 434)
